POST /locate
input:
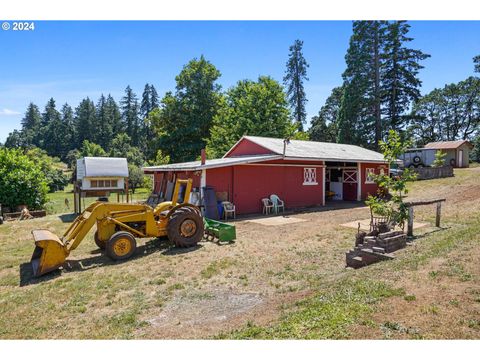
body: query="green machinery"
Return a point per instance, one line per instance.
(218, 230)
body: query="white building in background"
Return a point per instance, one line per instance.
(102, 173)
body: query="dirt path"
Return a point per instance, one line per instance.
(252, 280)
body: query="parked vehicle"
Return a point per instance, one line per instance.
(415, 158)
(118, 226)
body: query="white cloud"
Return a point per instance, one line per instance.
(8, 112)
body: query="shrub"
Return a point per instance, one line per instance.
(439, 158)
(51, 167)
(21, 180)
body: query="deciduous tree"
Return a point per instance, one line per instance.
(250, 108)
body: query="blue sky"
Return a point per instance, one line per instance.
(70, 60)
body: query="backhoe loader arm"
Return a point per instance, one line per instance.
(50, 251)
(97, 211)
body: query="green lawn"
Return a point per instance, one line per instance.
(56, 201)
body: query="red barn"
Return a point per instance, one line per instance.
(302, 173)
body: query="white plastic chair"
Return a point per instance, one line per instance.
(277, 203)
(228, 208)
(267, 206)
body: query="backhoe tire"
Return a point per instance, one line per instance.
(121, 246)
(101, 244)
(185, 227)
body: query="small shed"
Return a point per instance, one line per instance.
(100, 176)
(458, 152)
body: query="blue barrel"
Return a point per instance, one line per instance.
(220, 209)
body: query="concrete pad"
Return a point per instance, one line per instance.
(365, 224)
(277, 220)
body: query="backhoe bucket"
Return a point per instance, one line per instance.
(49, 253)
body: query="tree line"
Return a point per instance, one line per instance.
(380, 92)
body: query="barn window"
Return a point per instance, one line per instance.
(370, 176)
(310, 176)
(93, 183)
(113, 183)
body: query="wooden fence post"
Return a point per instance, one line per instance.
(410, 221)
(439, 211)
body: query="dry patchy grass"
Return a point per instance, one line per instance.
(273, 282)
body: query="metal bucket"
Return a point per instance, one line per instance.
(49, 253)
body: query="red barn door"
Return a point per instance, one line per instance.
(350, 185)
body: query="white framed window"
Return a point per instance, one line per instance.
(104, 183)
(310, 176)
(369, 176)
(382, 171)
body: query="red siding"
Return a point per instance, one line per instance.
(194, 175)
(251, 183)
(221, 179)
(370, 189)
(246, 147)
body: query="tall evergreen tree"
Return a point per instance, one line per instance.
(381, 81)
(85, 122)
(50, 113)
(69, 125)
(295, 75)
(130, 115)
(52, 130)
(149, 102)
(360, 113)
(114, 115)
(32, 118)
(154, 99)
(400, 83)
(106, 123)
(31, 124)
(476, 63)
(324, 126)
(146, 105)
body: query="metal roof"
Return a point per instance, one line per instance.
(105, 166)
(317, 150)
(209, 164)
(447, 144)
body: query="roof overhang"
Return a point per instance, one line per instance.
(210, 164)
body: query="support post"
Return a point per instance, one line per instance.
(323, 184)
(126, 189)
(410, 221)
(439, 212)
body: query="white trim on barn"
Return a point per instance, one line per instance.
(323, 185)
(359, 184)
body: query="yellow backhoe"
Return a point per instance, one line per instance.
(117, 227)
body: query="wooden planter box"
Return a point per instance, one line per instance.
(16, 215)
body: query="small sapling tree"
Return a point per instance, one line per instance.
(392, 206)
(439, 158)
